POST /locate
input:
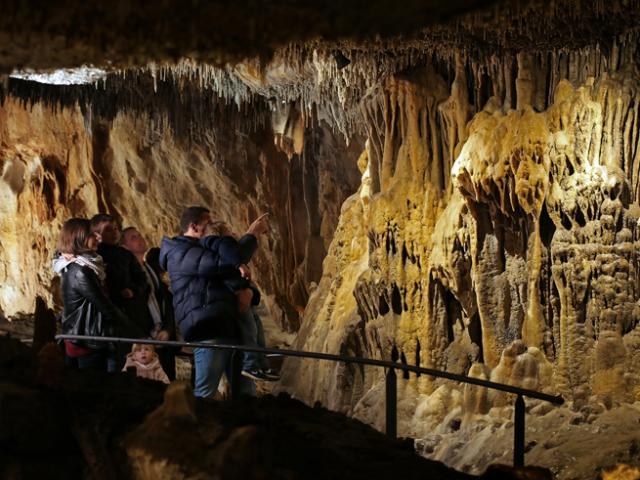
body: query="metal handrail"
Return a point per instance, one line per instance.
(391, 387)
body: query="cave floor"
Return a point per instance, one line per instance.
(62, 423)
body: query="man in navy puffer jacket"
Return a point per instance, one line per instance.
(206, 309)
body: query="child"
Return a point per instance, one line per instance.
(145, 359)
(255, 365)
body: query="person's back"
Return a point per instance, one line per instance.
(204, 307)
(205, 310)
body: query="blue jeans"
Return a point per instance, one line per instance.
(210, 364)
(252, 336)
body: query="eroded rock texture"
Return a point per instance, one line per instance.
(57, 164)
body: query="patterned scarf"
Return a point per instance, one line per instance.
(94, 262)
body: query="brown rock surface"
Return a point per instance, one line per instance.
(59, 164)
(99, 425)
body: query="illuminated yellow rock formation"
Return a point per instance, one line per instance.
(44, 174)
(500, 244)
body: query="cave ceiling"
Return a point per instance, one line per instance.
(43, 35)
(259, 55)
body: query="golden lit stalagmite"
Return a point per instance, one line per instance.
(517, 262)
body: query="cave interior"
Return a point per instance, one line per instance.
(451, 185)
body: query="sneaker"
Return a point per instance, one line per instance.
(257, 375)
(271, 374)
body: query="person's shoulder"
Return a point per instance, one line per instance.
(126, 254)
(179, 248)
(178, 241)
(210, 241)
(81, 272)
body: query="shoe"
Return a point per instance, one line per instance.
(257, 375)
(271, 374)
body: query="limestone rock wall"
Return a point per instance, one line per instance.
(57, 163)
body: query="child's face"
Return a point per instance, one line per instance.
(144, 354)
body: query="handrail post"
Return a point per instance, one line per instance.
(236, 372)
(518, 433)
(391, 403)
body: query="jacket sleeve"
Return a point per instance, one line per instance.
(234, 253)
(248, 244)
(87, 285)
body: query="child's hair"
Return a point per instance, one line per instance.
(138, 346)
(217, 227)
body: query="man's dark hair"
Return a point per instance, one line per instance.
(191, 215)
(99, 219)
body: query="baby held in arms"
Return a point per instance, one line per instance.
(145, 360)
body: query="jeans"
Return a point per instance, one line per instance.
(252, 336)
(210, 364)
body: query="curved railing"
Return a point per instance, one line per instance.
(391, 387)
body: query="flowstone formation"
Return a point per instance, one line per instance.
(494, 234)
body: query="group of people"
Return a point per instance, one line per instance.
(112, 285)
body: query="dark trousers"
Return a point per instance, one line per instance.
(95, 360)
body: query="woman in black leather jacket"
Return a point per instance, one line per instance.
(87, 310)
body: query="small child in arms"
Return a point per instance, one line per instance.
(145, 360)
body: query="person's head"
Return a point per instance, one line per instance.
(194, 221)
(76, 237)
(106, 228)
(219, 228)
(143, 353)
(133, 241)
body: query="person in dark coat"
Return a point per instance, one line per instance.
(86, 308)
(159, 302)
(255, 365)
(126, 281)
(206, 310)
